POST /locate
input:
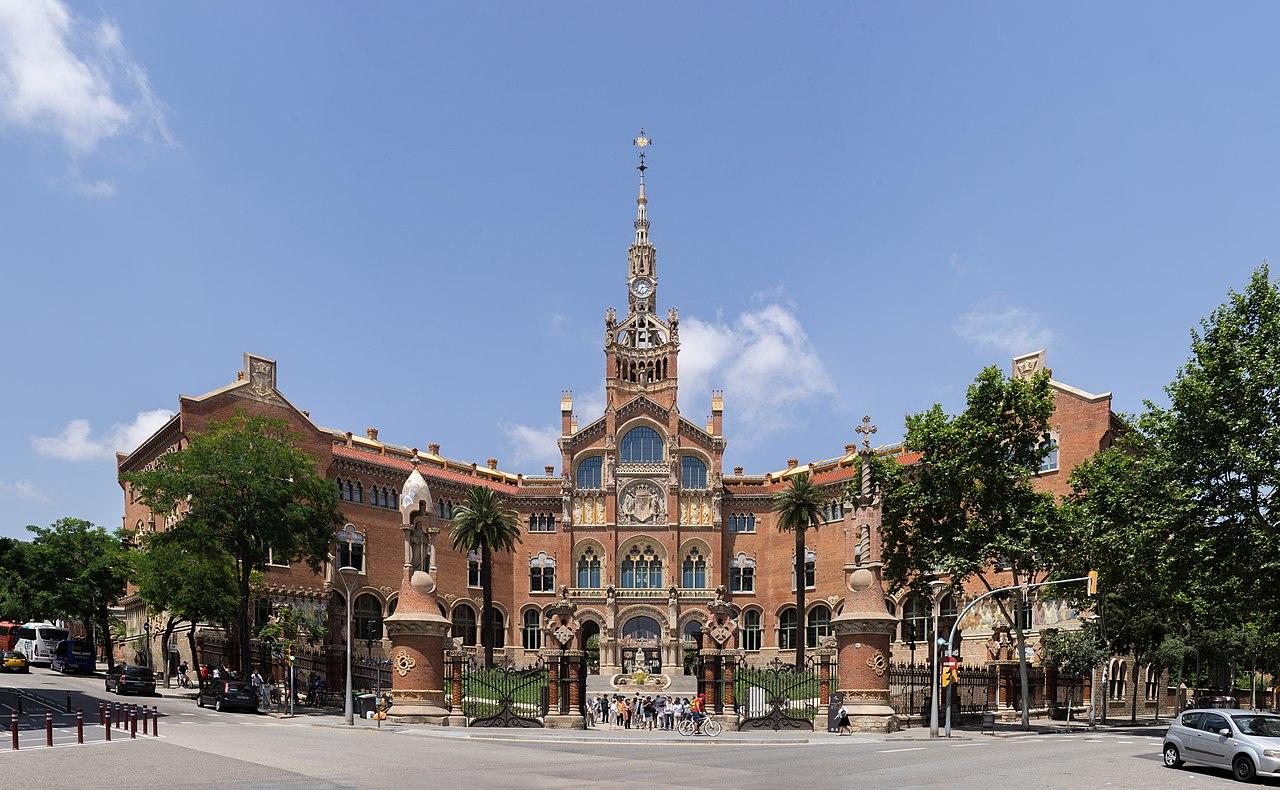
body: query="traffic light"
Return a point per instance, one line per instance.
(1093, 582)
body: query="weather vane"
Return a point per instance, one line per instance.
(642, 143)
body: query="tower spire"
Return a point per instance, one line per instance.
(642, 216)
(642, 274)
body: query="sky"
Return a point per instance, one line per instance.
(422, 211)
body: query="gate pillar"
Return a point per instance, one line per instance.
(864, 631)
(563, 666)
(417, 632)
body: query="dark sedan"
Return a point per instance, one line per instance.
(131, 680)
(225, 694)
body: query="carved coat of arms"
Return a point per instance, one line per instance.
(643, 503)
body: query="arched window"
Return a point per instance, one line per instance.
(890, 606)
(916, 613)
(787, 629)
(642, 445)
(542, 573)
(751, 630)
(1153, 683)
(589, 472)
(497, 628)
(351, 491)
(693, 472)
(360, 492)
(742, 574)
(342, 491)
(810, 570)
(351, 552)
(642, 569)
(391, 606)
(366, 617)
(531, 630)
(589, 570)
(542, 522)
(693, 631)
(473, 569)
(818, 626)
(464, 624)
(694, 572)
(742, 522)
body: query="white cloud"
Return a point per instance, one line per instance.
(73, 78)
(22, 489)
(76, 442)
(533, 448)
(764, 361)
(1008, 329)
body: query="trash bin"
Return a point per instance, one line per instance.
(365, 705)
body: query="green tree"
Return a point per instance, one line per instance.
(484, 524)
(968, 505)
(16, 594)
(188, 575)
(290, 628)
(78, 571)
(799, 508)
(246, 485)
(1073, 653)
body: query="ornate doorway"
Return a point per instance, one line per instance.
(641, 637)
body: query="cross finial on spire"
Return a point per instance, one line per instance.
(866, 429)
(642, 143)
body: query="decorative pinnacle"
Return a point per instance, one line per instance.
(866, 429)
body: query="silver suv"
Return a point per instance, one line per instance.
(1246, 741)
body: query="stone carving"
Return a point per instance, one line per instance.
(262, 376)
(403, 663)
(608, 469)
(643, 503)
(878, 663)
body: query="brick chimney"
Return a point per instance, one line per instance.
(792, 463)
(550, 471)
(492, 463)
(433, 448)
(737, 470)
(372, 433)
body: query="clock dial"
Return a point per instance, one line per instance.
(641, 288)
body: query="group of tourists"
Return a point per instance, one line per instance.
(660, 712)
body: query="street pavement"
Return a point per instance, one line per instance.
(201, 748)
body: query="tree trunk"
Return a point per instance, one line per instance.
(1133, 702)
(486, 582)
(104, 623)
(195, 654)
(164, 644)
(1023, 672)
(801, 620)
(242, 624)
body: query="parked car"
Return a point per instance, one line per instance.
(131, 680)
(73, 655)
(1245, 741)
(1216, 702)
(13, 661)
(226, 694)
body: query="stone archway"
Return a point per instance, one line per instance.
(641, 644)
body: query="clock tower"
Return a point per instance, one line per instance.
(642, 272)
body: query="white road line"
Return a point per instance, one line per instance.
(909, 749)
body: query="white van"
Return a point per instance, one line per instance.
(37, 641)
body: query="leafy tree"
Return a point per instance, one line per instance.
(245, 485)
(484, 524)
(187, 574)
(290, 627)
(799, 507)
(16, 594)
(969, 505)
(1074, 653)
(78, 571)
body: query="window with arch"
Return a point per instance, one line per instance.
(787, 629)
(473, 569)
(542, 573)
(833, 510)
(589, 472)
(351, 552)
(810, 570)
(542, 522)
(693, 631)
(818, 626)
(366, 617)
(392, 604)
(693, 472)
(742, 522)
(497, 628)
(589, 566)
(642, 445)
(531, 630)
(890, 606)
(693, 574)
(751, 630)
(742, 574)
(1152, 685)
(464, 624)
(642, 569)
(359, 492)
(916, 613)
(444, 508)
(1118, 676)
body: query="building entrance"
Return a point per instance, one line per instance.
(640, 648)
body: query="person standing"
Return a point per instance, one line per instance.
(842, 723)
(660, 711)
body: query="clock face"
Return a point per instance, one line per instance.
(641, 288)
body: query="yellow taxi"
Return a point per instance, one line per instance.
(13, 661)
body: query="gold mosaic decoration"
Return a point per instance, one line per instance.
(404, 662)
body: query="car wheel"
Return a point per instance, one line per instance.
(1242, 769)
(199, 701)
(217, 705)
(1171, 757)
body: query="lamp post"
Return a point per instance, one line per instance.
(935, 586)
(348, 575)
(146, 635)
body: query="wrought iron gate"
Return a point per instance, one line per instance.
(503, 696)
(777, 696)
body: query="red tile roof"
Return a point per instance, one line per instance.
(428, 470)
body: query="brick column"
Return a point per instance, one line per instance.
(417, 632)
(730, 700)
(553, 684)
(863, 634)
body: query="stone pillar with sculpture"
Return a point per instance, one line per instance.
(864, 628)
(719, 663)
(417, 631)
(566, 668)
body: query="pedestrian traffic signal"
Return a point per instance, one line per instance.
(1093, 582)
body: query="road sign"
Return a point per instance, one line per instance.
(951, 662)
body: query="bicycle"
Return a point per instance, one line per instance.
(710, 727)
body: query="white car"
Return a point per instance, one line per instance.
(1245, 741)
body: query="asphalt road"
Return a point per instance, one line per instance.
(201, 748)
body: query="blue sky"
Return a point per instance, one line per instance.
(422, 211)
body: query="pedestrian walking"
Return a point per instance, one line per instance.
(842, 723)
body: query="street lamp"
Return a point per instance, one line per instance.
(935, 586)
(146, 631)
(349, 575)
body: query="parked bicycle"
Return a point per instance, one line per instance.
(710, 727)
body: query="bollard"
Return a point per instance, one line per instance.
(13, 728)
(20, 705)
(48, 729)
(155, 721)
(142, 712)
(68, 702)
(133, 722)
(107, 727)
(102, 716)
(79, 726)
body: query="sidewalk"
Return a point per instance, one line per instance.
(1005, 730)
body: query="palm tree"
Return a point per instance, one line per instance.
(799, 507)
(483, 524)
